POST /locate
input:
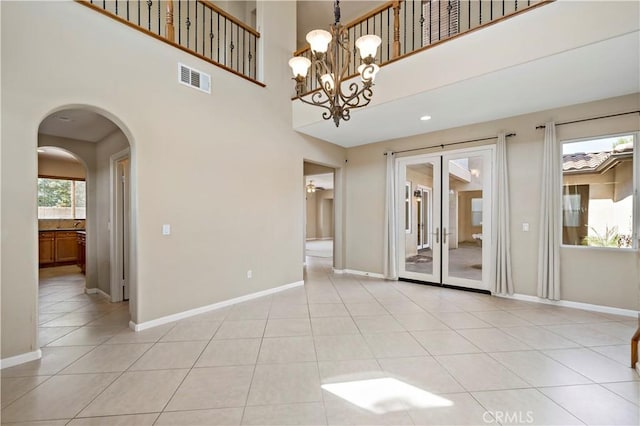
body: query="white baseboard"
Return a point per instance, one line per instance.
(201, 310)
(97, 291)
(362, 273)
(20, 359)
(338, 271)
(574, 305)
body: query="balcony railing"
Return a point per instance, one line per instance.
(195, 26)
(410, 26)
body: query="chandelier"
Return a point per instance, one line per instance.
(330, 57)
(311, 187)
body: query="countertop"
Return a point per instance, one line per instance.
(62, 229)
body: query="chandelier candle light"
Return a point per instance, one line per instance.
(330, 56)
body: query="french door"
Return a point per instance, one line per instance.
(445, 229)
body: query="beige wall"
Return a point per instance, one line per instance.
(320, 218)
(324, 216)
(182, 142)
(623, 186)
(588, 275)
(312, 215)
(55, 167)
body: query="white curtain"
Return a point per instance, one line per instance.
(550, 220)
(502, 280)
(390, 222)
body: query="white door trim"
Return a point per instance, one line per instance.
(114, 256)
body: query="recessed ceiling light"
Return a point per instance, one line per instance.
(425, 117)
(63, 118)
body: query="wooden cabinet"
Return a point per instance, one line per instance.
(46, 248)
(58, 248)
(81, 240)
(66, 247)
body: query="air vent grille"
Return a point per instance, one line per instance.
(194, 78)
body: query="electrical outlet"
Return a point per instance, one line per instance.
(249, 274)
(525, 227)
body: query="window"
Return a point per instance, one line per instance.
(407, 207)
(598, 187)
(61, 198)
(476, 212)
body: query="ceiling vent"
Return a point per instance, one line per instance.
(194, 78)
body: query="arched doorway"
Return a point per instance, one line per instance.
(103, 245)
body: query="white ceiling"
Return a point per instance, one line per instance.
(601, 70)
(77, 124)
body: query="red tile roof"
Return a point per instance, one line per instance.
(584, 161)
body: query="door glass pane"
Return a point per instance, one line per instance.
(465, 232)
(418, 256)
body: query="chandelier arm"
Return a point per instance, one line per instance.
(353, 94)
(315, 100)
(358, 98)
(341, 48)
(321, 69)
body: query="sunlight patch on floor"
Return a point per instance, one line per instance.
(386, 395)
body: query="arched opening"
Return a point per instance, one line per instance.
(85, 223)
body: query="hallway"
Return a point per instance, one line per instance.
(303, 356)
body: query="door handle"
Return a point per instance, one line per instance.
(437, 234)
(444, 235)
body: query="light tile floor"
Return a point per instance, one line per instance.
(463, 358)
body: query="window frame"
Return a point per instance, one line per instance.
(73, 197)
(635, 202)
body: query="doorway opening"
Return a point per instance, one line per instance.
(445, 217)
(76, 226)
(319, 229)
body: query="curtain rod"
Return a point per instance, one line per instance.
(449, 144)
(542, 126)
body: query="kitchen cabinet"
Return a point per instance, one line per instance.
(58, 247)
(81, 241)
(66, 247)
(46, 248)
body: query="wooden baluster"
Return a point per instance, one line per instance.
(396, 28)
(169, 29)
